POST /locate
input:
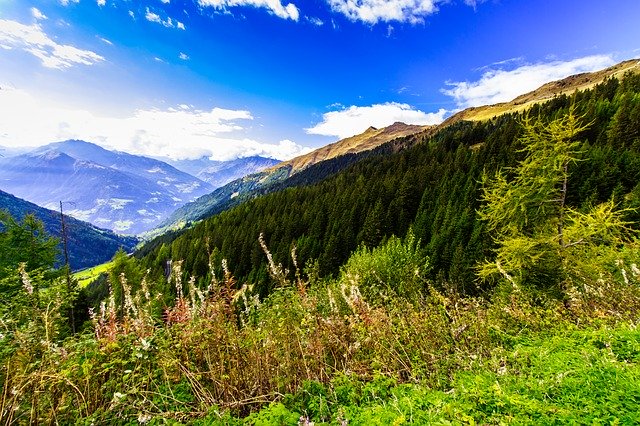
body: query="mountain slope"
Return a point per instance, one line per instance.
(118, 191)
(87, 245)
(432, 187)
(330, 158)
(219, 173)
(566, 86)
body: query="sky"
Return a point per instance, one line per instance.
(278, 78)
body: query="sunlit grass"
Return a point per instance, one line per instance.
(85, 276)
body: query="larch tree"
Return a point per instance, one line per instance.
(540, 240)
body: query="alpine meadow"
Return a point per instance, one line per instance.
(174, 249)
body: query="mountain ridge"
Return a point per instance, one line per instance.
(88, 245)
(564, 86)
(272, 178)
(111, 189)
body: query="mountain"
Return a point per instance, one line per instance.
(87, 245)
(433, 187)
(565, 86)
(369, 139)
(122, 192)
(344, 152)
(219, 173)
(7, 151)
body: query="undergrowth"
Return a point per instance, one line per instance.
(328, 352)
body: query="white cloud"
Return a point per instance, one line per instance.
(106, 41)
(315, 21)
(374, 11)
(133, 15)
(499, 85)
(356, 119)
(169, 23)
(290, 11)
(180, 132)
(32, 39)
(35, 12)
(67, 2)
(183, 56)
(101, 2)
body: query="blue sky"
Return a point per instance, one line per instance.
(228, 78)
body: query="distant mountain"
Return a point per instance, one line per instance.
(87, 245)
(7, 151)
(122, 192)
(219, 173)
(273, 178)
(565, 86)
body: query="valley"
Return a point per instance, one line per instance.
(336, 213)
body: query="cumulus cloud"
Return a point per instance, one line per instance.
(168, 23)
(374, 11)
(183, 56)
(502, 85)
(32, 39)
(101, 2)
(35, 12)
(356, 119)
(290, 11)
(181, 132)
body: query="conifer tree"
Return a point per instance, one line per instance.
(541, 241)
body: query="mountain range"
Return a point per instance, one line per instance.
(219, 173)
(315, 165)
(427, 184)
(288, 173)
(87, 245)
(126, 193)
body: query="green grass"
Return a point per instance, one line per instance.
(578, 377)
(85, 276)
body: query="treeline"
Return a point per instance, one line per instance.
(432, 187)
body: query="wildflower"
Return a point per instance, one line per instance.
(146, 345)
(144, 418)
(26, 281)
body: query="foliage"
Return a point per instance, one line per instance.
(429, 182)
(541, 241)
(395, 268)
(321, 352)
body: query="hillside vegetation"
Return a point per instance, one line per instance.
(485, 274)
(87, 245)
(433, 187)
(307, 168)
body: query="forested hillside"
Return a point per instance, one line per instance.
(307, 168)
(427, 285)
(87, 245)
(433, 187)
